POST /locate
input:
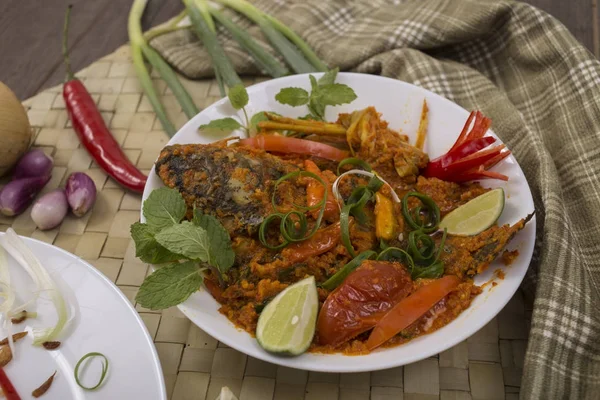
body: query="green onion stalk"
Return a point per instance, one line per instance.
(296, 52)
(140, 49)
(204, 28)
(262, 57)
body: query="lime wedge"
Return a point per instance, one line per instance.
(476, 216)
(287, 323)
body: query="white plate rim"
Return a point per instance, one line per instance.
(259, 353)
(114, 288)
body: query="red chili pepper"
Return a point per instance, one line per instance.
(93, 132)
(7, 387)
(467, 160)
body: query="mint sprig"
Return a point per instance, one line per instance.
(324, 92)
(191, 247)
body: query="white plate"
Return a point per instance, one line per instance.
(105, 323)
(400, 104)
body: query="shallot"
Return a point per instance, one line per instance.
(18, 194)
(50, 209)
(81, 193)
(32, 164)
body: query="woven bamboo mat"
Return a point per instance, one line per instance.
(488, 365)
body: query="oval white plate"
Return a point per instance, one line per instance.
(106, 323)
(400, 104)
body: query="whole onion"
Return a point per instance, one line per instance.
(81, 193)
(50, 209)
(32, 164)
(15, 131)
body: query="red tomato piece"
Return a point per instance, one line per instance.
(362, 300)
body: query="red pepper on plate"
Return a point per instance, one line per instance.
(7, 387)
(93, 132)
(467, 160)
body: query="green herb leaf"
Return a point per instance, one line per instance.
(292, 96)
(314, 85)
(147, 248)
(220, 253)
(328, 77)
(219, 126)
(238, 96)
(335, 94)
(164, 207)
(256, 118)
(169, 286)
(187, 239)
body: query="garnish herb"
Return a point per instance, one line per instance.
(102, 374)
(190, 247)
(324, 92)
(336, 279)
(43, 387)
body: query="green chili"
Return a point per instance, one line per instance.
(336, 279)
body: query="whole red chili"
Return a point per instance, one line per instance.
(93, 132)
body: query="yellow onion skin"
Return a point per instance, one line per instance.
(15, 131)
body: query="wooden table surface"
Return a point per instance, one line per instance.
(31, 34)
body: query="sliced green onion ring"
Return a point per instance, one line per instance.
(293, 230)
(336, 183)
(102, 375)
(336, 279)
(428, 223)
(354, 161)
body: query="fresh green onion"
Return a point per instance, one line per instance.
(205, 31)
(273, 29)
(102, 375)
(336, 279)
(140, 49)
(426, 219)
(168, 27)
(262, 57)
(354, 161)
(293, 230)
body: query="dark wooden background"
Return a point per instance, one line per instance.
(30, 32)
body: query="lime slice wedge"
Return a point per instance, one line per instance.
(476, 216)
(287, 323)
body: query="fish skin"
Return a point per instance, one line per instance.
(232, 183)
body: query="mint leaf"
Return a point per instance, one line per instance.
(164, 207)
(238, 96)
(169, 286)
(292, 96)
(218, 126)
(147, 248)
(256, 118)
(314, 85)
(187, 239)
(220, 253)
(329, 77)
(335, 94)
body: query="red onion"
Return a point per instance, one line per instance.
(34, 164)
(50, 209)
(18, 194)
(81, 193)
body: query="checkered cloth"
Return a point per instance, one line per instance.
(541, 88)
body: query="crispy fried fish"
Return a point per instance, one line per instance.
(471, 255)
(234, 184)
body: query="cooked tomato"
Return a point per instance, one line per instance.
(362, 300)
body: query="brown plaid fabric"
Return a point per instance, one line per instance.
(541, 88)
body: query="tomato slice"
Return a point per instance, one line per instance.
(284, 144)
(362, 300)
(409, 309)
